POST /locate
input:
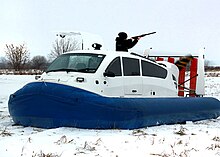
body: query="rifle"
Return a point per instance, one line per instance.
(142, 35)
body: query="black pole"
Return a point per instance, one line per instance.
(188, 80)
(82, 44)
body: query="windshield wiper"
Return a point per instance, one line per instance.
(73, 70)
(63, 69)
(86, 70)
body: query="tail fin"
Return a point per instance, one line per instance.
(200, 87)
(197, 75)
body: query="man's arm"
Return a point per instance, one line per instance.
(131, 43)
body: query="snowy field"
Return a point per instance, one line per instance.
(199, 139)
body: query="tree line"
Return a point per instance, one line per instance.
(17, 57)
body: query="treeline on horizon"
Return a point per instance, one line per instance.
(17, 57)
(212, 68)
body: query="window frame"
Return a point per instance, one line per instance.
(111, 63)
(155, 71)
(125, 69)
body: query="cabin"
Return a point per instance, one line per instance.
(114, 74)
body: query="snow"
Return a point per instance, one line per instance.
(191, 139)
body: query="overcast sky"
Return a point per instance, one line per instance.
(181, 25)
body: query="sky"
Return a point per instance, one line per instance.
(181, 25)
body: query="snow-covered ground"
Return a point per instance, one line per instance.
(181, 140)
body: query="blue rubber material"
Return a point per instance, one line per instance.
(51, 105)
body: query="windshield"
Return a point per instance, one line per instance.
(76, 62)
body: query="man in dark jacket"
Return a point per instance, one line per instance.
(123, 44)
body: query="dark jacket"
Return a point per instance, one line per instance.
(124, 44)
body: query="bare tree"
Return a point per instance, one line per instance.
(17, 56)
(63, 45)
(39, 62)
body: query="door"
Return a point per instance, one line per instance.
(132, 79)
(114, 79)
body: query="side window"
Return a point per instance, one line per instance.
(115, 67)
(153, 70)
(131, 67)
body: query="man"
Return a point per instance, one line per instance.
(123, 44)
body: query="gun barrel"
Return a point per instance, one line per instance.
(142, 35)
(150, 33)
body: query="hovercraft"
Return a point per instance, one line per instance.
(111, 89)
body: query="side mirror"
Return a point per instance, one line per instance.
(109, 74)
